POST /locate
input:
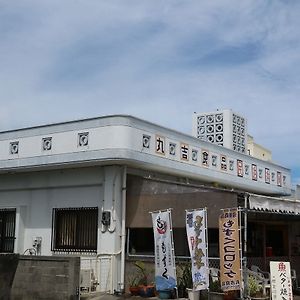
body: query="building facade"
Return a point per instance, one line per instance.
(86, 188)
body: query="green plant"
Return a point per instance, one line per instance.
(184, 275)
(254, 288)
(133, 280)
(215, 286)
(144, 274)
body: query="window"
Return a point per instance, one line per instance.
(276, 240)
(255, 239)
(7, 230)
(141, 242)
(213, 242)
(75, 229)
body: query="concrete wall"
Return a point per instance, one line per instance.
(8, 267)
(39, 277)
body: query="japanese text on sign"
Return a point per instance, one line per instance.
(229, 250)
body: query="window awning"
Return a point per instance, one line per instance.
(273, 204)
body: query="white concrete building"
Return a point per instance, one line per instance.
(64, 188)
(257, 150)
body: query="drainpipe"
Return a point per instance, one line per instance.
(112, 226)
(123, 230)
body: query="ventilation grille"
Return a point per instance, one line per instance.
(238, 133)
(210, 128)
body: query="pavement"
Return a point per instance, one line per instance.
(103, 296)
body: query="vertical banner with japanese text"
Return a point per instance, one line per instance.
(165, 274)
(230, 262)
(281, 282)
(196, 231)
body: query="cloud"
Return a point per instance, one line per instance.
(160, 61)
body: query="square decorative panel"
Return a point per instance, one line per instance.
(231, 165)
(47, 144)
(14, 147)
(214, 160)
(146, 141)
(194, 155)
(172, 148)
(205, 158)
(83, 139)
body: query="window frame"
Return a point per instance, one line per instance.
(8, 231)
(68, 237)
(179, 236)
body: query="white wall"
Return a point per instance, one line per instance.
(35, 194)
(122, 140)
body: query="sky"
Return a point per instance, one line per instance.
(157, 60)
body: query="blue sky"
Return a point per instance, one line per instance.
(158, 60)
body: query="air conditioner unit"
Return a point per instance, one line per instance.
(85, 280)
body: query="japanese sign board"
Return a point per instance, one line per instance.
(193, 154)
(165, 275)
(281, 283)
(230, 263)
(196, 230)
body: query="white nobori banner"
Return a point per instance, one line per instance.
(165, 274)
(196, 230)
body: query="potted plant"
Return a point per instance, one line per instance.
(184, 278)
(186, 282)
(134, 284)
(146, 286)
(255, 289)
(215, 291)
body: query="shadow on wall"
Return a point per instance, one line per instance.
(8, 267)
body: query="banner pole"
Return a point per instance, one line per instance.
(173, 251)
(241, 253)
(159, 211)
(206, 250)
